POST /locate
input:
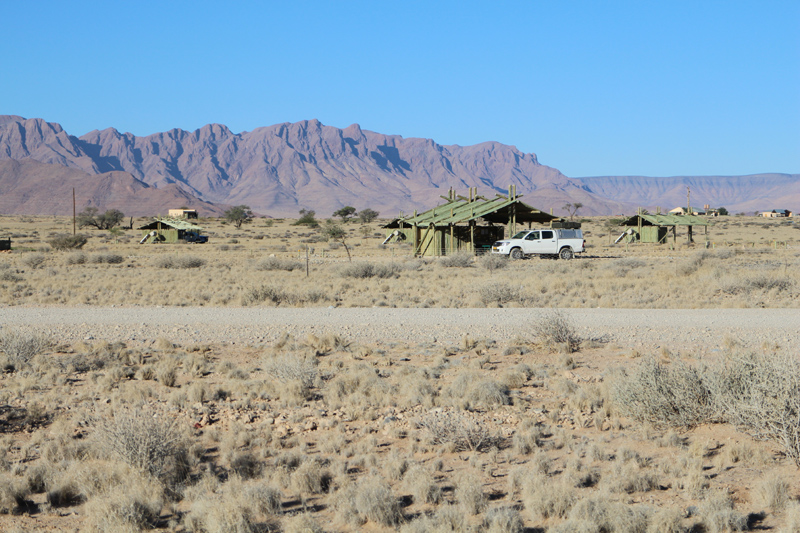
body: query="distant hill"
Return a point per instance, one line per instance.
(278, 170)
(33, 188)
(756, 192)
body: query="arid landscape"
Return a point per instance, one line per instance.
(558, 427)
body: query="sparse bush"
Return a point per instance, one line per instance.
(503, 520)
(277, 263)
(492, 262)
(555, 328)
(76, 258)
(111, 259)
(132, 506)
(469, 494)
(34, 260)
(147, 443)
(675, 395)
(499, 293)
(68, 242)
(13, 492)
(179, 261)
(292, 367)
(422, 485)
(21, 347)
(264, 293)
(457, 260)
(718, 514)
(461, 431)
(375, 501)
(363, 270)
(747, 285)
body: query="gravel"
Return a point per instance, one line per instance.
(641, 329)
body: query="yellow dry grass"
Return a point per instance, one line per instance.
(747, 262)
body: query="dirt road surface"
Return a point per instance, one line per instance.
(694, 329)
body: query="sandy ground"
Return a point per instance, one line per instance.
(700, 329)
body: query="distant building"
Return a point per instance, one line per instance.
(777, 213)
(685, 211)
(183, 213)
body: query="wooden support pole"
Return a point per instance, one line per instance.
(73, 211)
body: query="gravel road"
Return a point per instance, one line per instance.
(643, 329)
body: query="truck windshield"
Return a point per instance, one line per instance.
(520, 235)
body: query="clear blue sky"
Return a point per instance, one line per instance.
(592, 87)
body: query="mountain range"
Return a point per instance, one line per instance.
(278, 170)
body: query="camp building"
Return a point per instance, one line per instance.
(169, 230)
(470, 223)
(644, 227)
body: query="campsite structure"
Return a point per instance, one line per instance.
(182, 213)
(465, 223)
(169, 230)
(646, 228)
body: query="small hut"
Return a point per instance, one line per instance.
(169, 230)
(470, 223)
(649, 228)
(182, 213)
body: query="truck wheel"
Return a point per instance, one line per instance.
(566, 253)
(515, 254)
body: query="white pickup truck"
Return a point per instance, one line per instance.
(563, 243)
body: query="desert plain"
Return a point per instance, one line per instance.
(264, 381)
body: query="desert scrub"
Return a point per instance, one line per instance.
(674, 394)
(110, 259)
(277, 263)
(500, 293)
(363, 270)
(492, 262)
(556, 329)
(179, 261)
(459, 431)
(33, 260)
(68, 242)
(20, 347)
(371, 499)
(457, 260)
(145, 442)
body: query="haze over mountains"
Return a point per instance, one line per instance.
(278, 170)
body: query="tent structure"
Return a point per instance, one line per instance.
(470, 223)
(168, 230)
(655, 228)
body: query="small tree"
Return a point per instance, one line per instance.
(722, 212)
(307, 218)
(238, 215)
(572, 209)
(106, 221)
(336, 233)
(367, 215)
(345, 212)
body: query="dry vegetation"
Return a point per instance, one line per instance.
(316, 434)
(750, 262)
(319, 434)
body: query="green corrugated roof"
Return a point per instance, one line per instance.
(667, 220)
(173, 223)
(460, 211)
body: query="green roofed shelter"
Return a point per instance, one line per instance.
(655, 228)
(169, 230)
(470, 223)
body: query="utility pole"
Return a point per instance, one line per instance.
(73, 211)
(688, 202)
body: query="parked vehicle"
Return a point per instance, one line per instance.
(545, 242)
(194, 237)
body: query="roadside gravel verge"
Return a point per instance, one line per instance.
(704, 329)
